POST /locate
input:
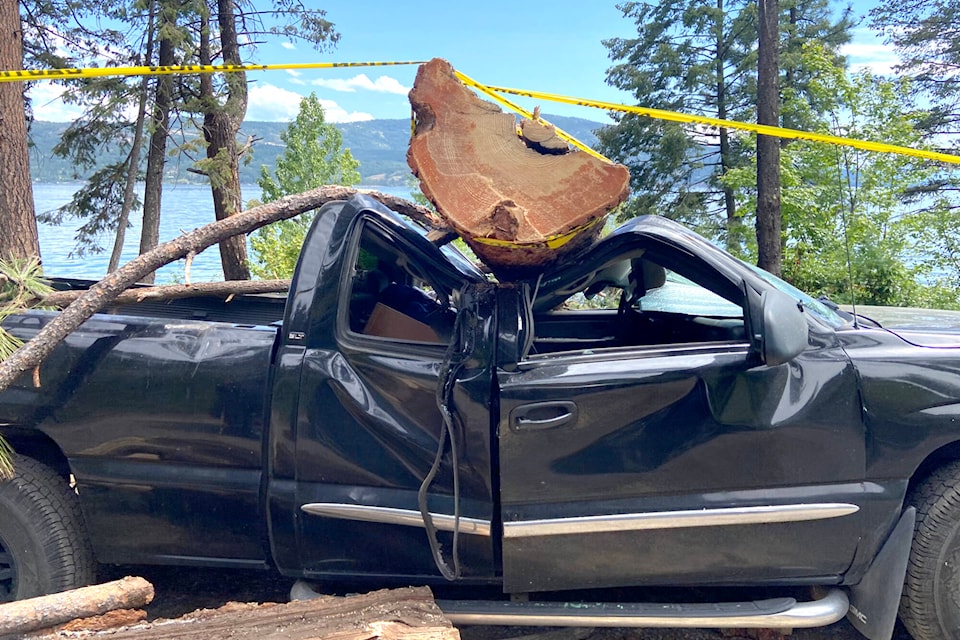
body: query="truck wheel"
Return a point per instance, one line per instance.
(43, 542)
(930, 604)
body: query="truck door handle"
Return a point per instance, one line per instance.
(538, 416)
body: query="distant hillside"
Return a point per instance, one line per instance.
(379, 145)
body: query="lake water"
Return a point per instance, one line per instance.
(184, 207)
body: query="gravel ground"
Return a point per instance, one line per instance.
(180, 590)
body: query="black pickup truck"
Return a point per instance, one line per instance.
(654, 413)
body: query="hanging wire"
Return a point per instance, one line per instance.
(846, 238)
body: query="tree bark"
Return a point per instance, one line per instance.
(133, 162)
(726, 151)
(409, 613)
(221, 123)
(46, 611)
(176, 291)
(157, 153)
(102, 293)
(18, 224)
(768, 148)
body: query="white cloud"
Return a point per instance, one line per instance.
(267, 102)
(295, 77)
(383, 84)
(335, 113)
(288, 45)
(867, 52)
(270, 103)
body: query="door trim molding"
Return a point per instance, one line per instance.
(678, 519)
(390, 515)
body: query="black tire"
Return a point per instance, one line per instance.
(44, 546)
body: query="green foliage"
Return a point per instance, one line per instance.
(313, 157)
(688, 56)
(700, 58)
(838, 202)
(21, 283)
(114, 32)
(926, 38)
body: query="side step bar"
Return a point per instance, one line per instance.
(776, 613)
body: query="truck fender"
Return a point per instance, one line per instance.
(875, 600)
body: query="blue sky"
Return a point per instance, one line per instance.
(552, 47)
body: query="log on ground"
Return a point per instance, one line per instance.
(391, 614)
(17, 618)
(491, 184)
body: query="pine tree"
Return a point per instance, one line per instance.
(700, 58)
(926, 34)
(18, 226)
(314, 156)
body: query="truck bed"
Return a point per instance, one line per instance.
(259, 309)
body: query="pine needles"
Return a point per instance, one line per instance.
(21, 283)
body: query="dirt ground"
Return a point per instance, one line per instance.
(182, 590)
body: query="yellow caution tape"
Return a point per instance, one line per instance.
(563, 135)
(493, 93)
(763, 129)
(102, 72)
(550, 242)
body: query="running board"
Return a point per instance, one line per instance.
(776, 613)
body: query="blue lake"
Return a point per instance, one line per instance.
(184, 207)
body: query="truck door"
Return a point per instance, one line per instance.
(645, 444)
(367, 427)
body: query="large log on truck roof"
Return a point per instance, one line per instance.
(505, 194)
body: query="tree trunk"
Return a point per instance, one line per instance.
(726, 152)
(46, 611)
(176, 291)
(18, 224)
(220, 126)
(157, 153)
(102, 293)
(768, 148)
(133, 162)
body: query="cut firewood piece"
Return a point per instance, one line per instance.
(509, 197)
(46, 611)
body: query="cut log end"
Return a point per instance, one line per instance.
(489, 183)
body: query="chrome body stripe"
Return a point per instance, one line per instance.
(389, 515)
(678, 519)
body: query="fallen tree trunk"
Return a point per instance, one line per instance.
(520, 202)
(105, 291)
(391, 614)
(175, 291)
(46, 611)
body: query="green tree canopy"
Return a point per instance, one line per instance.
(700, 57)
(843, 205)
(926, 34)
(313, 157)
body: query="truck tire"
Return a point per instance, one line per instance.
(930, 604)
(44, 546)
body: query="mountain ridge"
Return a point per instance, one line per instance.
(379, 145)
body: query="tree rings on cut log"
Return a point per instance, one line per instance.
(507, 195)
